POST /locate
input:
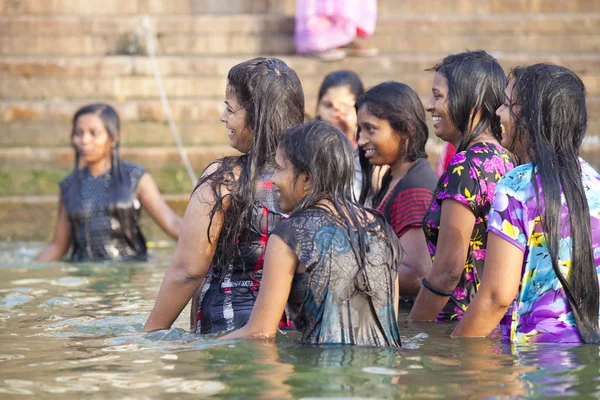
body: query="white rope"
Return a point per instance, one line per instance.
(163, 97)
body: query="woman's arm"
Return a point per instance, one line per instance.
(416, 262)
(278, 274)
(456, 226)
(62, 236)
(155, 205)
(193, 256)
(499, 286)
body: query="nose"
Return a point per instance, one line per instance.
(429, 104)
(498, 110)
(362, 140)
(223, 117)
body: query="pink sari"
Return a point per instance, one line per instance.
(326, 24)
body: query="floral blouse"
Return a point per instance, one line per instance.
(541, 310)
(470, 179)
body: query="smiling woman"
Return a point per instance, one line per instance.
(467, 89)
(233, 208)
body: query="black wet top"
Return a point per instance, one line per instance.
(101, 229)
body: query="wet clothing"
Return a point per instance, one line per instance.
(226, 304)
(541, 310)
(407, 203)
(470, 179)
(322, 301)
(101, 230)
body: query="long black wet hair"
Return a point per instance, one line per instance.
(549, 110)
(122, 194)
(476, 84)
(401, 107)
(271, 94)
(322, 151)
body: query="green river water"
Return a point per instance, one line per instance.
(73, 331)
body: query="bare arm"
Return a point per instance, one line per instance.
(62, 236)
(456, 226)
(278, 274)
(192, 259)
(155, 205)
(416, 263)
(499, 286)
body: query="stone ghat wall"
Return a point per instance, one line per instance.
(56, 55)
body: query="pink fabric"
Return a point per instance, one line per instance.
(326, 24)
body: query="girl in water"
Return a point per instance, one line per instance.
(467, 89)
(99, 204)
(233, 208)
(393, 132)
(332, 261)
(540, 279)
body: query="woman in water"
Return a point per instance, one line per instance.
(99, 205)
(467, 89)
(540, 279)
(393, 132)
(233, 208)
(332, 261)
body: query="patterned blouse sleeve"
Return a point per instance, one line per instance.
(293, 232)
(461, 183)
(507, 216)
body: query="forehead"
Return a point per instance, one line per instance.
(364, 114)
(440, 82)
(230, 94)
(339, 93)
(510, 88)
(89, 120)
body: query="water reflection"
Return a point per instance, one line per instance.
(75, 330)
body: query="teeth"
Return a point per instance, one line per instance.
(436, 119)
(502, 128)
(369, 151)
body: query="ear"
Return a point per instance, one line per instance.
(306, 180)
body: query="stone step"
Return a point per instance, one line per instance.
(48, 123)
(127, 78)
(129, 7)
(132, 7)
(273, 34)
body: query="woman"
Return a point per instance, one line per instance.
(541, 271)
(332, 261)
(99, 204)
(393, 132)
(336, 104)
(332, 29)
(234, 206)
(467, 89)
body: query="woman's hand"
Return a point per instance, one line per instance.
(62, 236)
(157, 208)
(499, 286)
(193, 257)
(456, 226)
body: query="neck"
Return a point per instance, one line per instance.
(99, 168)
(486, 136)
(400, 168)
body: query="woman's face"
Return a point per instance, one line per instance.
(234, 117)
(381, 144)
(438, 105)
(507, 121)
(91, 140)
(292, 188)
(337, 107)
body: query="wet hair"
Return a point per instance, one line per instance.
(271, 94)
(401, 107)
(122, 194)
(476, 84)
(551, 121)
(339, 78)
(322, 151)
